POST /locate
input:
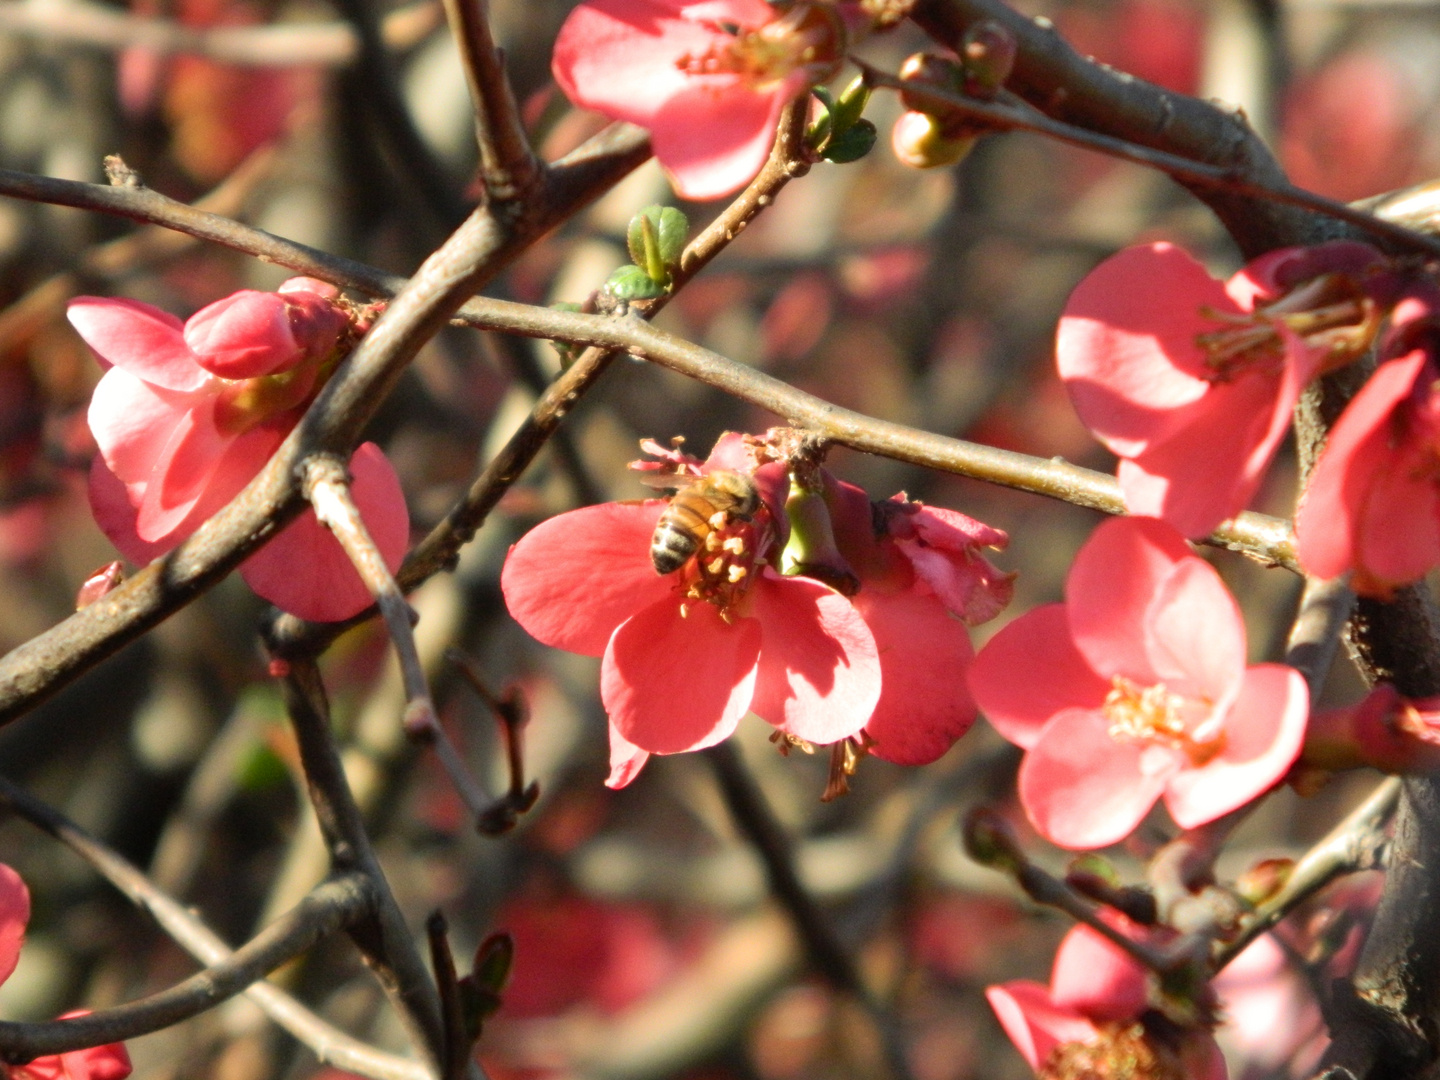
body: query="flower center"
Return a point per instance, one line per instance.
(1330, 314)
(1152, 715)
(1118, 1052)
(809, 37)
(246, 403)
(728, 560)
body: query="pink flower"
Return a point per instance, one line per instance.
(108, 1062)
(687, 653)
(1373, 504)
(922, 581)
(1092, 1014)
(1135, 689)
(187, 413)
(1191, 382)
(708, 78)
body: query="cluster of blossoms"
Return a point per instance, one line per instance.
(108, 1062)
(187, 413)
(836, 620)
(1191, 382)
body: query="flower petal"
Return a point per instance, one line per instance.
(1208, 469)
(1263, 734)
(1094, 976)
(673, 683)
(1195, 635)
(626, 760)
(621, 57)
(1357, 450)
(14, 915)
(713, 135)
(305, 571)
(115, 510)
(1109, 590)
(1083, 789)
(1035, 1024)
(573, 579)
(1126, 348)
(133, 422)
(143, 340)
(819, 673)
(1030, 671)
(244, 335)
(924, 653)
(182, 472)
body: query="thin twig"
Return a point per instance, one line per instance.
(508, 166)
(1354, 844)
(329, 1044)
(1011, 113)
(457, 1043)
(511, 714)
(331, 906)
(385, 940)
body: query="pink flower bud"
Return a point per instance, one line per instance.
(245, 335)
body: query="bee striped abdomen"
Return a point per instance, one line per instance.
(678, 535)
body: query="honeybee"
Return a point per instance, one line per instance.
(695, 511)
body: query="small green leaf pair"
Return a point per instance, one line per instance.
(841, 135)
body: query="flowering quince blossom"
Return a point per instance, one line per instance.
(708, 78)
(922, 581)
(1191, 382)
(187, 413)
(1135, 689)
(108, 1062)
(1373, 503)
(1092, 1018)
(687, 653)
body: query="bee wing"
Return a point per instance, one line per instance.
(664, 479)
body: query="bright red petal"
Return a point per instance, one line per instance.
(1111, 585)
(626, 760)
(305, 571)
(1035, 1024)
(1195, 635)
(572, 580)
(141, 339)
(1126, 347)
(924, 653)
(244, 335)
(673, 683)
(713, 135)
(1030, 671)
(182, 473)
(1263, 734)
(115, 511)
(1094, 976)
(621, 57)
(14, 915)
(1355, 453)
(1083, 789)
(819, 674)
(1397, 533)
(1209, 469)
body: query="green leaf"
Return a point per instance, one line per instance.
(850, 105)
(632, 283)
(852, 144)
(656, 238)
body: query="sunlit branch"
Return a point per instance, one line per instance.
(330, 907)
(1355, 844)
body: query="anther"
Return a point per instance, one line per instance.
(736, 574)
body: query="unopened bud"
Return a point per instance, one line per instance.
(990, 841)
(1263, 880)
(989, 53)
(920, 141)
(99, 583)
(656, 238)
(932, 71)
